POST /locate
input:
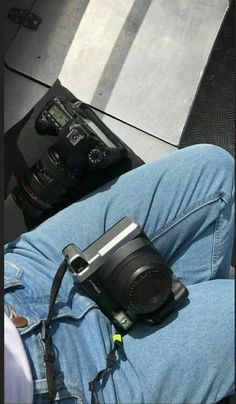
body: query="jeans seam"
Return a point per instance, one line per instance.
(213, 258)
(181, 217)
(215, 245)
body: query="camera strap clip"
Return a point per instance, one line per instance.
(117, 340)
(110, 361)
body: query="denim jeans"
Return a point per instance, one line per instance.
(184, 202)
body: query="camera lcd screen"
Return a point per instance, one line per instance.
(58, 115)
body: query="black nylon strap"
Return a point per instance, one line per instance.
(49, 356)
(50, 372)
(55, 287)
(111, 360)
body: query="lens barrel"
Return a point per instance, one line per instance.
(45, 185)
(137, 276)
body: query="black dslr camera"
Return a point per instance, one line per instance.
(84, 145)
(126, 276)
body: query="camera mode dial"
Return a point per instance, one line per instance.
(95, 156)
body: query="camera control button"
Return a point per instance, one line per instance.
(75, 136)
(95, 156)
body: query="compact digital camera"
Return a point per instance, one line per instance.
(84, 145)
(126, 276)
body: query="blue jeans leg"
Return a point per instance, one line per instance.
(184, 202)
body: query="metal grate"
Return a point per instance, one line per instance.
(212, 117)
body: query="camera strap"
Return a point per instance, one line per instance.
(49, 356)
(111, 360)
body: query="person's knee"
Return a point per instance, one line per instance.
(213, 160)
(213, 156)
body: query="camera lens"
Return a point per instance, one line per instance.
(137, 276)
(45, 185)
(147, 291)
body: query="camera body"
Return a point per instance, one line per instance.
(84, 145)
(126, 276)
